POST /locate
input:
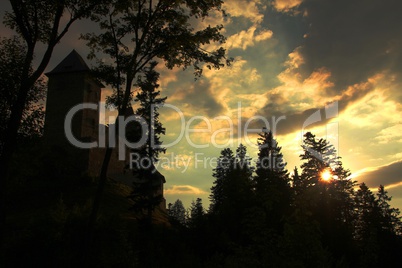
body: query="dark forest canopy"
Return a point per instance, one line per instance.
(259, 215)
(264, 217)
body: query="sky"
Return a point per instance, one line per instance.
(330, 67)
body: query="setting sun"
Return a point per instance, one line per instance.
(326, 175)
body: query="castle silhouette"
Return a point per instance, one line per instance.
(71, 83)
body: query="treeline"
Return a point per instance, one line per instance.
(261, 216)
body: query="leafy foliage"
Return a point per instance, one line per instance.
(134, 33)
(35, 22)
(11, 63)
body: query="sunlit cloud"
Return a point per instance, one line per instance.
(392, 134)
(167, 76)
(286, 5)
(295, 59)
(183, 190)
(245, 39)
(373, 111)
(235, 77)
(246, 9)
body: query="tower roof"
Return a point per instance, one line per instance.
(72, 63)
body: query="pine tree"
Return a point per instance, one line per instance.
(272, 178)
(242, 166)
(225, 164)
(148, 180)
(272, 188)
(239, 188)
(150, 102)
(376, 228)
(177, 212)
(297, 185)
(389, 236)
(390, 219)
(329, 200)
(196, 214)
(232, 195)
(196, 209)
(367, 225)
(318, 156)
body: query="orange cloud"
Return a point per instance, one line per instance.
(247, 38)
(245, 9)
(184, 189)
(286, 5)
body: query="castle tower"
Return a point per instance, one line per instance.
(70, 83)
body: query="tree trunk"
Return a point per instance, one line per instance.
(98, 195)
(95, 207)
(9, 145)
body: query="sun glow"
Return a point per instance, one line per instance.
(326, 175)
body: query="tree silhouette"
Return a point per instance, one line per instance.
(272, 180)
(329, 201)
(390, 219)
(196, 214)
(297, 184)
(232, 186)
(150, 102)
(177, 212)
(36, 22)
(134, 33)
(221, 173)
(231, 197)
(146, 192)
(318, 156)
(366, 225)
(12, 52)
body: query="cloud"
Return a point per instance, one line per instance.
(246, 9)
(254, 32)
(392, 134)
(286, 5)
(197, 97)
(299, 96)
(354, 40)
(166, 75)
(183, 190)
(244, 39)
(388, 175)
(375, 110)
